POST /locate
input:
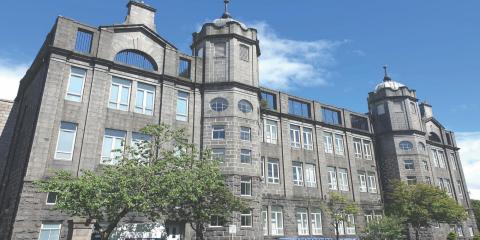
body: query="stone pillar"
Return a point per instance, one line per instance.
(80, 229)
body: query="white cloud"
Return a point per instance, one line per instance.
(10, 76)
(287, 64)
(469, 143)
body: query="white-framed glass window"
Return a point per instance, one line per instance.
(145, 99)
(368, 218)
(262, 167)
(310, 176)
(362, 178)
(341, 228)
(460, 230)
(441, 159)
(265, 220)
(448, 187)
(372, 183)
(246, 218)
(350, 229)
(276, 219)
(295, 136)
(405, 145)
(245, 186)
(453, 161)
(297, 172)
(302, 221)
(357, 146)
(218, 132)
(307, 138)
(138, 140)
(342, 179)
(273, 171)
(435, 158)
(50, 231)
(51, 198)
(76, 84)
(460, 189)
(470, 231)
(367, 149)
(245, 133)
(218, 154)
(411, 180)
(216, 221)
(339, 147)
(66, 141)
(246, 156)
(245, 106)
(316, 222)
(425, 165)
(113, 141)
(271, 131)
(328, 142)
(409, 164)
(120, 94)
(182, 106)
(219, 104)
(332, 178)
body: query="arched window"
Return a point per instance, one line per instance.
(405, 145)
(434, 137)
(219, 104)
(245, 106)
(137, 59)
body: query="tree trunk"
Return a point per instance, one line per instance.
(417, 234)
(199, 232)
(337, 233)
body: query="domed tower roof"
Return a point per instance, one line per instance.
(388, 83)
(226, 18)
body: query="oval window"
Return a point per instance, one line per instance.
(219, 104)
(245, 106)
(406, 145)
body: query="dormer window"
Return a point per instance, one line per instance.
(358, 122)
(331, 116)
(184, 68)
(299, 108)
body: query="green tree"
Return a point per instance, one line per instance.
(476, 210)
(150, 178)
(338, 208)
(387, 228)
(422, 204)
(476, 237)
(452, 236)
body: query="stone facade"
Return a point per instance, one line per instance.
(295, 153)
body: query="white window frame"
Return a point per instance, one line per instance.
(243, 153)
(295, 138)
(111, 158)
(217, 152)
(182, 116)
(339, 145)
(245, 131)
(72, 94)
(271, 131)
(367, 149)
(357, 146)
(273, 166)
(51, 203)
(362, 178)
(307, 134)
(372, 183)
(143, 109)
(276, 220)
(45, 227)
(350, 226)
(441, 159)
(265, 220)
(409, 164)
(248, 216)
(342, 177)
(332, 178)
(297, 169)
(328, 142)
(118, 98)
(60, 130)
(316, 222)
(460, 189)
(218, 128)
(247, 184)
(453, 161)
(310, 176)
(302, 221)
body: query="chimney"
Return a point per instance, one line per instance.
(140, 13)
(426, 110)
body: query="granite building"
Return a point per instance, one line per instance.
(90, 89)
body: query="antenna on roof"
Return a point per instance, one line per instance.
(225, 13)
(386, 77)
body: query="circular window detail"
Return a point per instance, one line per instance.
(219, 104)
(245, 106)
(405, 145)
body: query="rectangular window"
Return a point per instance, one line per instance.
(441, 159)
(350, 229)
(184, 67)
(245, 133)
(295, 136)
(276, 219)
(66, 141)
(328, 142)
(75, 84)
(244, 52)
(182, 106)
(453, 161)
(409, 165)
(358, 122)
(428, 180)
(273, 169)
(332, 178)
(362, 178)
(460, 189)
(302, 221)
(367, 149)
(113, 141)
(342, 179)
(270, 131)
(435, 158)
(218, 132)
(269, 99)
(297, 172)
(145, 99)
(470, 231)
(298, 108)
(307, 138)
(339, 147)
(397, 107)
(120, 94)
(341, 228)
(245, 156)
(380, 109)
(218, 154)
(51, 198)
(138, 140)
(262, 168)
(83, 43)
(372, 183)
(310, 176)
(316, 219)
(216, 221)
(246, 186)
(220, 49)
(265, 220)
(357, 145)
(448, 187)
(460, 230)
(331, 116)
(425, 165)
(246, 219)
(411, 180)
(50, 231)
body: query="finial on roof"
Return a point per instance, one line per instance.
(225, 13)
(386, 77)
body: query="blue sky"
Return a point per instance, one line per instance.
(330, 51)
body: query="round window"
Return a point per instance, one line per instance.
(219, 104)
(406, 145)
(245, 106)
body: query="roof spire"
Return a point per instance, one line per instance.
(386, 77)
(225, 13)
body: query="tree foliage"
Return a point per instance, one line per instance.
(476, 210)
(387, 228)
(452, 236)
(160, 177)
(338, 208)
(422, 204)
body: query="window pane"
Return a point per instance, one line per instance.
(114, 93)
